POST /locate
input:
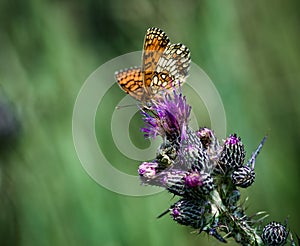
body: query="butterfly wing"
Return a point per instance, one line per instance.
(174, 62)
(131, 81)
(156, 41)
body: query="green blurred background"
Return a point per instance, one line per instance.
(250, 50)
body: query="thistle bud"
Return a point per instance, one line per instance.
(192, 185)
(274, 234)
(243, 176)
(198, 184)
(232, 155)
(174, 182)
(190, 212)
(210, 145)
(192, 154)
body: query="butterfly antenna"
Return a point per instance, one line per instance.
(125, 106)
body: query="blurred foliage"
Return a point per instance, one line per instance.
(250, 49)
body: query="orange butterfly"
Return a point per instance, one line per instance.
(164, 66)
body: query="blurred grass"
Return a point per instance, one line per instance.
(48, 48)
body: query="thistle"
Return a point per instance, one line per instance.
(204, 174)
(274, 234)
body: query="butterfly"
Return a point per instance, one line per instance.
(164, 66)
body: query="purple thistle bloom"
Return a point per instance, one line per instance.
(233, 139)
(193, 179)
(175, 212)
(148, 169)
(152, 125)
(168, 117)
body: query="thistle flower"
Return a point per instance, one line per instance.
(167, 117)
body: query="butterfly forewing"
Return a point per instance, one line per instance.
(156, 41)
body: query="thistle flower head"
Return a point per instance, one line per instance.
(168, 117)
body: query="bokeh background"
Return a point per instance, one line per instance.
(250, 50)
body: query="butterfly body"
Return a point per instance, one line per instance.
(164, 66)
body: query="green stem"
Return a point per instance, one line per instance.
(240, 230)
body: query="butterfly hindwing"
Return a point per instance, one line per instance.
(172, 68)
(175, 61)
